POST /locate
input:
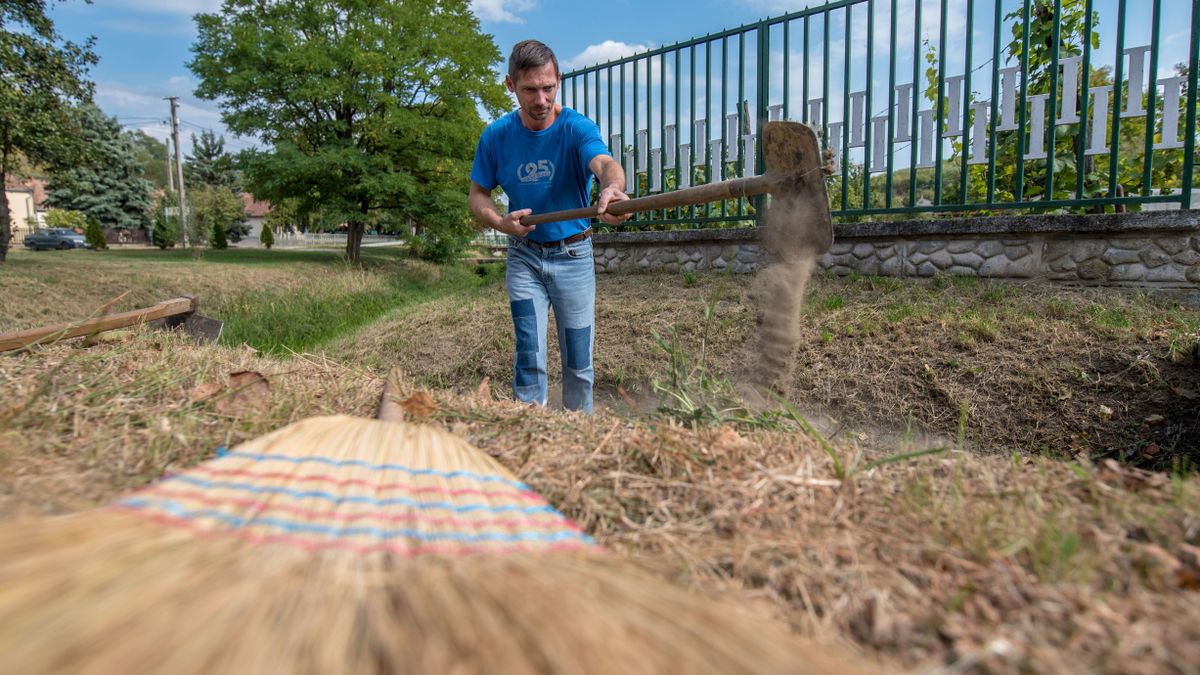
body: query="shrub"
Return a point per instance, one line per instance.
(219, 240)
(94, 235)
(267, 237)
(62, 218)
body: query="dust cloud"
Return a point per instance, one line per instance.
(794, 236)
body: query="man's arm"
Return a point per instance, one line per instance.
(480, 201)
(612, 186)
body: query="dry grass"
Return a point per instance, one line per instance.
(992, 564)
(1037, 557)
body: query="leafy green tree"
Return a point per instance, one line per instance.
(94, 235)
(110, 188)
(266, 236)
(167, 229)
(42, 78)
(213, 209)
(63, 218)
(368, 104)
(152, 156)
(209, 164)
(219, 240)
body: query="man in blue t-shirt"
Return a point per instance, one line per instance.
(544, 156)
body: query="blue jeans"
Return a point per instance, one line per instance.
(564, 278)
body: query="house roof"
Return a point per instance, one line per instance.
(255, 208)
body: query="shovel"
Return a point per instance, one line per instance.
(794, 177)
(169, 314)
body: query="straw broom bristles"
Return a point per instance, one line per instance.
(347, 545)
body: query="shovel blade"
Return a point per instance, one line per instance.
(198, 326)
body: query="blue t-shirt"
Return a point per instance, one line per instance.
(541, 170)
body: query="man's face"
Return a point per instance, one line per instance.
(536, 89)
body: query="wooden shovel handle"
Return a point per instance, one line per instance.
(62, 331)
(700, 194)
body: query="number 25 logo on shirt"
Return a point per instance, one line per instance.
(535, 172)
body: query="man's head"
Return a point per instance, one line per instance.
(533, 76)
(529, 54)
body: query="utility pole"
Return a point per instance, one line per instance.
(179, 167)
(170, 168)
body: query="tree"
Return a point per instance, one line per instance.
(209, 164)
(215, 208)
(61, 218)
(167, 228)
(219, 240)
(266, 236)
(152, 156)
(110, 188)
(41, 79)
(94, 235)
(368, 104)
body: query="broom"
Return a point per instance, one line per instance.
(349, 545)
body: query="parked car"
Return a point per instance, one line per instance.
(55, 237)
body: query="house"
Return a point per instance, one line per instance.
(256, 213)
(25, 197)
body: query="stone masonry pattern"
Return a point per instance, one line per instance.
(1164, 259)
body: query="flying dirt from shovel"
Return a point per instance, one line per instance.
(797, 229)
(793, 251)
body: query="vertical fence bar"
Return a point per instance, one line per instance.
(720, 120)
(825, 89)
(1189, 145)
(762, 100)
(663, 124)
(804, 85)
(586, 98)
(891, 127)
(1118, 101)
(941, 107)
(694, 144)
(650, 127)
(1019, 188)
(915, 128)
(741, 114)
(964, 188)
(629, 180)
(1052, 118)
(1151, 96)
(574, 94)
(846, 119)
(1084, 104)
(617, 154)
(708, 101)
(787, 69)
(678, 130)
(869, 114)
(637, 142)
(991, 175)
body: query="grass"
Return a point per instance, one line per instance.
(277, 301)
(920, 547)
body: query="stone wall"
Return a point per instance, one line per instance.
(1160, 249)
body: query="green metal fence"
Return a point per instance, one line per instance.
(928, 106)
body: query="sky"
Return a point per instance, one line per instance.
(144, 45)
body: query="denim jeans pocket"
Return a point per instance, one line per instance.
(581, 249)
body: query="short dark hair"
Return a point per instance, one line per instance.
(528, 54)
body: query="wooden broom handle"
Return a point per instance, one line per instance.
(63, 331)
(389, 410)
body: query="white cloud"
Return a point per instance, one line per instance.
(605, 51)
(139, 105)
(500, 11)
